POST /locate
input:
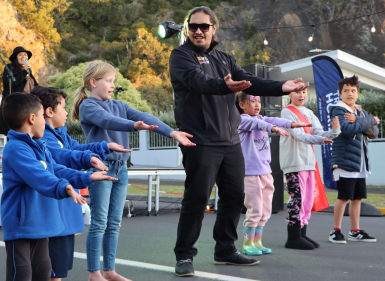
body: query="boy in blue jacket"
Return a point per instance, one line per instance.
(350, 161)
(31, 183)
(69, 153)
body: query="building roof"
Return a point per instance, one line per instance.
(371, 75)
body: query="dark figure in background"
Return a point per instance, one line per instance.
(202, 79)
(22, 72)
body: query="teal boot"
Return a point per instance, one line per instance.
(248, 246)
(257, 242)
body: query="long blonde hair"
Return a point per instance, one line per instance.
(96, 70)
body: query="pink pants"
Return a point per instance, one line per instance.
(300, 186)
(258, 198)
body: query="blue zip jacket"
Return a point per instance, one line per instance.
(32, 182)
(70, 153)
(110, 120)
(353, 139)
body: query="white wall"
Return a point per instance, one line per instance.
(376, 161)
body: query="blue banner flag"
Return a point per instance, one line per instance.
(327, 74)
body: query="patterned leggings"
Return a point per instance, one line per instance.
(300, 186)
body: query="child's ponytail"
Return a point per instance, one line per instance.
(240, 97)
(94, 70)
(80, 96)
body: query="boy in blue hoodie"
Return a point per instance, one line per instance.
(31, 182)
(69, 153)
(350, 161)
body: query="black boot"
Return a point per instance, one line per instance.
(303, 234)
(294, 239)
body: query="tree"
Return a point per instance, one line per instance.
(72, 79)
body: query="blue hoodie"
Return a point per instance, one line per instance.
(110, 120)
(67, 152)
(31, 183)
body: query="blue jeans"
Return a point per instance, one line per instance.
(107, 200)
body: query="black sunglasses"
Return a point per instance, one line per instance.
(204, 27)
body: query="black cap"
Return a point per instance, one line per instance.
(19, 50)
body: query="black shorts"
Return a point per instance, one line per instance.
(61, 252)
(27, 259)
(350, 188)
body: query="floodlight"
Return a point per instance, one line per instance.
(168, 29)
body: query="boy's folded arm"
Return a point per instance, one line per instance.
(78, 179)
(74, 159)
(34, 173)
(250, 124)
(95, 114)
(148, 119)
(350, 129)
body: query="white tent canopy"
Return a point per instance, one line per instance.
(371, 75)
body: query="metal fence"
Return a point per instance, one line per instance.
(157, 141)
(132, 136)
(134, 140)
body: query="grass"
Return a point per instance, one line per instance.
(377, 200)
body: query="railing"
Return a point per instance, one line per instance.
(157, 141)
(80, 138)
(133, 139)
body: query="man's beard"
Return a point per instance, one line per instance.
(201, 47)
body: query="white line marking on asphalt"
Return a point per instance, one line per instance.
(202, 274)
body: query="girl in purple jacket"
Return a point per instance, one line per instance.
(259, 186)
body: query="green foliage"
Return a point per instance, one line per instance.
(40, 15)
(312, 105)
(167, 117)
(158, 98)
(72, 79)
(74, 128)
(373, 103)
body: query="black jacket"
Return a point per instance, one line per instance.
(204, 105)
(347, 147)
(17, 86)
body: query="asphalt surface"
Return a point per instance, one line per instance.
(151, 240)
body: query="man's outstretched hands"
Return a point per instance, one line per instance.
(101, 176)
(182, 138)
(280, 131)
(301, 124)
(75, 196)
(291, 86)
(113, 146)
(236, 86)
(140, 125)
(98, 164)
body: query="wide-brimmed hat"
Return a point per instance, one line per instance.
(19, 50)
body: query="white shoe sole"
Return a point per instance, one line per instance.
(338, 241)
(362, 240)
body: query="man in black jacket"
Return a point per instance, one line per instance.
(202, 78)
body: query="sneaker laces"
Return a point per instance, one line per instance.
(184, 261)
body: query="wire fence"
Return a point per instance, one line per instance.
(157, 141)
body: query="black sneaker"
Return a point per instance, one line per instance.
(235, 259)
(337, 237)
(360, 236)
(184, 268)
